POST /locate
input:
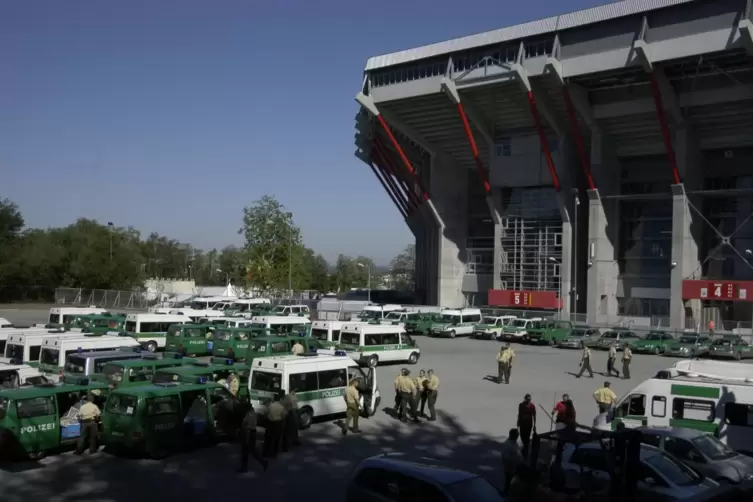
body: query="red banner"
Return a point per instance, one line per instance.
(730, 291)
(524, 299)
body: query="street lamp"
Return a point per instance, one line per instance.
(562, 297)
(109, 225)
(368, 278)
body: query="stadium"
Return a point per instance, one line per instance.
(597, 163)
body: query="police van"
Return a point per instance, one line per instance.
(281, 325)
(91, 363)
(328, 332)
(18, 375)
(150, 330)
(292, 310)
(5, 334)
(66, 315)
(715, 397)
(456, 322)
(56, 350)
(319, 382)
(371, 344)
(377, 312)
(25, 347)
(230, 322)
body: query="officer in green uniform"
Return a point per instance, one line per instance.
(273, 432)
(248, 441)
(585, 362)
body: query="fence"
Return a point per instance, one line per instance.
(26, 294)
(103, 298)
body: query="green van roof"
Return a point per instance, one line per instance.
(198, 369)
(49, 390)
(150, 390)
(167, 361)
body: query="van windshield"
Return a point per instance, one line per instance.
(319, 334)
(50, 356)
(54, 318)
(121, 405)
(520, 323)
(266, 381)
(393, 316)
(14, 351)
(222, 335)
(113, 373)
(75, 364)
(130, 326)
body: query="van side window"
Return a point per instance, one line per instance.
(692, 409)
(162, 405)
(303, 382)
(391, 339)
(333, 378)
(373, 339)
(140, 374)
(474, 318)
(34, 351)
(738, 414)
(637, 405)
(659, 406)
(35, 407)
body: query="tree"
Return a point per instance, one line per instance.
(403, 269)
(272, 243)
(320, 279)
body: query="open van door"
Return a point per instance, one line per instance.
(371, 398)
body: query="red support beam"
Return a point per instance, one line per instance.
(401, 153)
(474, 150)
(656, 91)
(401, 177)
(392, 180)
(585, 160)
(387, 189)
(544, 141)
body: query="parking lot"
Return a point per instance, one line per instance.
(474, 414)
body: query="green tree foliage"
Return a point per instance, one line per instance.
(354, 273)
(402, 269)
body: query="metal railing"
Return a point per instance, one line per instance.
(103, 298)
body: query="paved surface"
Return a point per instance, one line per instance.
(474, 415)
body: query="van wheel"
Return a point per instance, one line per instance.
(452, 334)
(552, 342)
(36, 456)
(151, 346)
(373, 361)
(413, 358)
(305, 416)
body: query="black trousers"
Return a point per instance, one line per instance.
(525, 438)
(432, 400)
(290, 431)
(610, 367)
(272, 438)
(423, 396)
(248, 448)
(89, 432)
(406, 402)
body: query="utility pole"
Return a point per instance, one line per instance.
(290, 260)
(109, 225)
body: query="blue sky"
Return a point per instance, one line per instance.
(171, 115)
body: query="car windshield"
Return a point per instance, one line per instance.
(519, 323)
(490, 320)
(688, 339)
(713, 448)
(475, 489)
(75, 364)
(113, 373)
(654, 336)
(222, 335)
(610, 334)
(50, 356)
(450, 318)
(724, 342)
(393, 316)
(266, 381)
(674, 472)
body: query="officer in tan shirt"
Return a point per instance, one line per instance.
(273, 432)
(290, 422)
(432, 389)
(88, 415)
(605, 399)
(297, 349)
(407, 388)
(421, 393)
(611, 358)
(504, 364)
(585, 362)
(352, 407)
(627, 358)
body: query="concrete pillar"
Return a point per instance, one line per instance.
(566, 285)
(494, 201)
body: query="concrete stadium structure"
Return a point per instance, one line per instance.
(598, 162)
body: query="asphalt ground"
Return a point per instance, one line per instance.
(474, 416)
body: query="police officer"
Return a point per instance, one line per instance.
(397, 394)
(612, 357)
(297, 349)
(233, 384)
(273, 432)
(605, 399)
(88, 415)
(291, 425)
(627, 358)
(526, 422)
(421, 395)
(504, 364)
(407, 389)
(585, 361)
(248, 441)
(432, 390)
(352, 407)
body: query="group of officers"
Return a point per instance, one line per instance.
(413, 394)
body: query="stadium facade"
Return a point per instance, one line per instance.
(598, 162)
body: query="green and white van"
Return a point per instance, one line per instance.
(5, 334)
(56, 350)
(490, 327)
(456, 322)
(66, 315)
(397, 317)
(294, 310)
(18, 375)
(319, 382)
(518, 328)
(25, 347)
(371, 344)
(229, 322)
(281, 325)
(328, 332)
(245, 306)
(150, 330)
(377, 312)
(715, 397)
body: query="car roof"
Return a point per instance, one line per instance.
(647, 450)
(418, 467)
(150, 390)
(671, 431)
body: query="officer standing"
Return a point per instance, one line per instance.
(421, 395)
(248, 441)
(88, 415)
(273, 432)
(605, 399)
(352, 407)
(627, 357)
(291, 424)
(432, 390)
(397, 393)
(407, 389)
(297, 349)
(585, 362)
(610, 362)
(504, 364)
(526, 422)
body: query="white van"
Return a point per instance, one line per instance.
(281, 325)
(370, 344)
(66, 315)
(25, 347)
(56, 350)
(17, 375)
(229, 322)
(517, 329)
(246, 305)
(194, 315)
(294, 310)
(150, 329)
(456, 322)
(709, 396)
(6, 333)
(319, 382)
(209, 302)
(399, 317)
(328, 332)
(376, 312)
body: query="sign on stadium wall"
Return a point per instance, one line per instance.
(731, 291)
(524, 299)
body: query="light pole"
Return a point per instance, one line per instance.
(562, 299)
(576, 203)
(109, 225)
(368, 279)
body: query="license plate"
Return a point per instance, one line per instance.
(210, 345)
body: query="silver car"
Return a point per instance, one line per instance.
(703, 452)
(398, 477)
(662, 477)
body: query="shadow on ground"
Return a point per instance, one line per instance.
(319, 468)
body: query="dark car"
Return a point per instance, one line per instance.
(399, 477)
(703, 452)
